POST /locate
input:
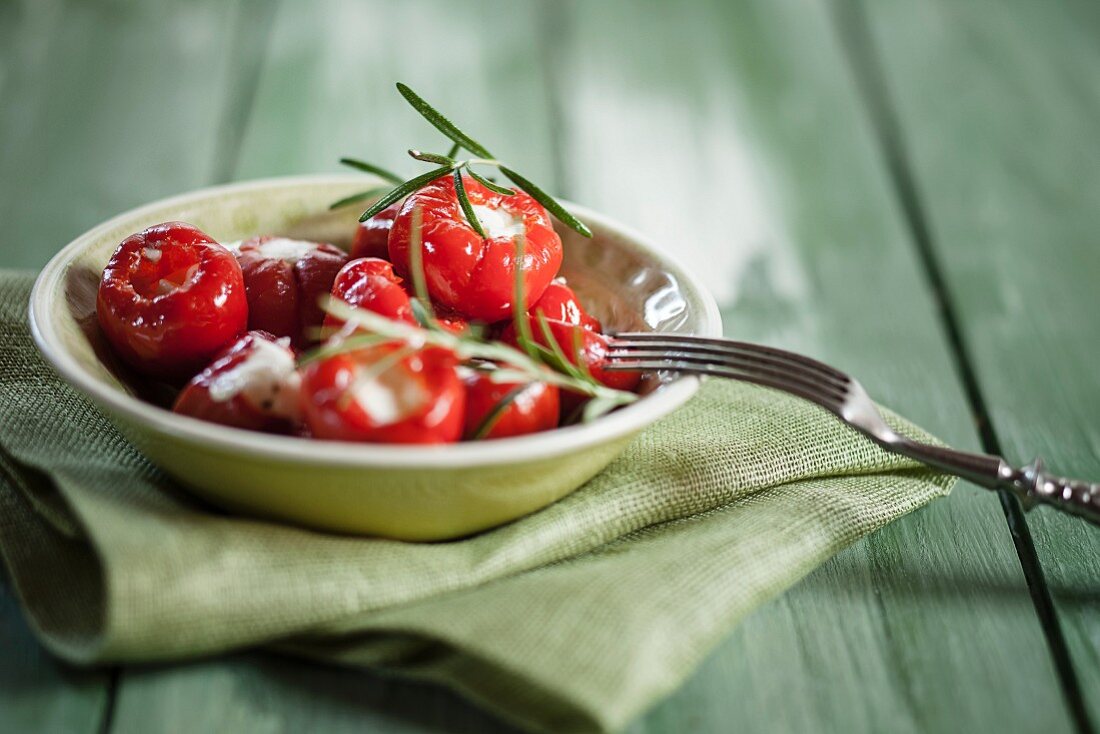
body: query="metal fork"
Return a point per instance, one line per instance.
(845, 398)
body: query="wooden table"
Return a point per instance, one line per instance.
(908, 190)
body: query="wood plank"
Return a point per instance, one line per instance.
(732, 133)
(110, 105)
(327, 90)
(38, 693)
(997, 106)
(102, 107)
(885, 636)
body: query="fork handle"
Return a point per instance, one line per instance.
(1030, 484)
(1033, 486)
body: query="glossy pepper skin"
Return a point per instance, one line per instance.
(370, 283)
(252, 385)
(560, 303)
(417, 400)
(170, 299)
(468, 274)
(285, 283)
(372, 237)
(532, 410)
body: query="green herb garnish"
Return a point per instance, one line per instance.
(450, 164)
(493, 416)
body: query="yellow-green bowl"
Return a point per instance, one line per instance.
(406, 492)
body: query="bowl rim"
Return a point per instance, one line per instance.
(505, 451)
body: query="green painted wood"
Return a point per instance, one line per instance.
(265, 694)
(107, 106)
(732, 133)
(37, 693)
(102, 107)
(899, 633)
(997, 106)
(326, 90)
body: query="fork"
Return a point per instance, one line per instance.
(844, 397)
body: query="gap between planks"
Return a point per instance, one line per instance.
(851, 26)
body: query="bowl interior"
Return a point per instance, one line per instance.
(623, 281)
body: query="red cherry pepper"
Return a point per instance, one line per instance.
(560, 303)
(170, 299)
(372, 237)
(468, 274)
(254, 385)
(285, 280)
(362, 395)
(370, 283)
(593, 350)
(534, 408)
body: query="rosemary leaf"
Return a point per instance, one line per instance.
(406, 188)
(454, 150)
(578, 353)
(547, 201)
(467, 207)
(330, 349)
(371, 168)
(493, 416)
(562, 362)
(441, 123)
(494, 187)
(422, 314)
(519, 302)
(599, 405)
(416, 265)
(355, 198)
(442, 160)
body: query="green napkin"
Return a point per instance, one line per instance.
(576, 618)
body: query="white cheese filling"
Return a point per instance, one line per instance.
(266, 378)
(389, 397)
(290, 251)
(498, 222)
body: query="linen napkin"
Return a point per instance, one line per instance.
(576, 618)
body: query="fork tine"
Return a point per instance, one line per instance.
(735, 359)
(745, 365)
(829, 402)
(779, 364)
(728, 346)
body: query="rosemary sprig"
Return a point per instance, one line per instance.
(519, 301)
(467, 207)
(493, 416)
(460, 140)
(356, 198)
(439, 160)
(400, 192)
(492, 186)
(371, 168)
(547, 201)
(422, 302)
(519, 367)
(441, 123)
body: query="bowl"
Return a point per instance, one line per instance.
(396, 491)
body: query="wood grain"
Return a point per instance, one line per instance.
(997, 106)
(758, 168)
(731, 135)
(327, 90)
(38, 693)
(763, 173)
(107, 106)
(102, 107)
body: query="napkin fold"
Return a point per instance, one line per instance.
(576, 618)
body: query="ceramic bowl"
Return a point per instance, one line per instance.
(405, 492)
